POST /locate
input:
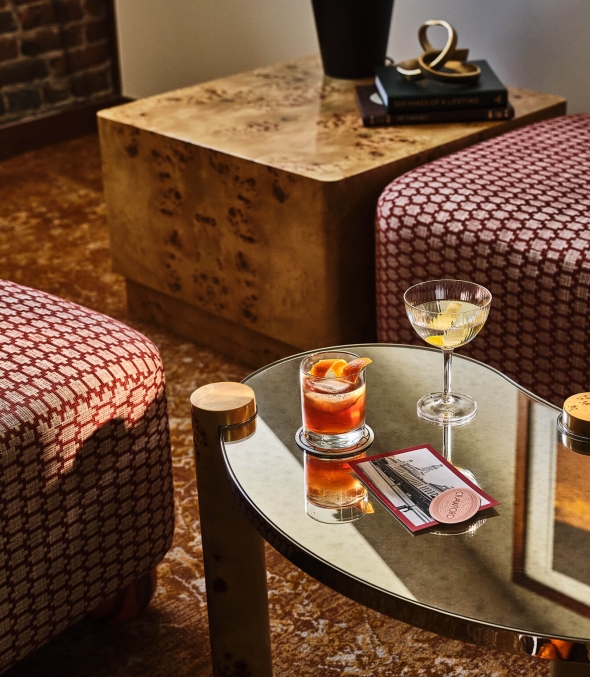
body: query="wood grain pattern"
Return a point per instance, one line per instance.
(253, 197)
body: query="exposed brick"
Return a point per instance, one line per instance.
(56, 93)
(58, 53)
(59, 66)
(8, 48)
(23, 100)
(68, 10)
(86, 84)
(32, 16)
(7, 22)
(22, 71)
(96, 7)
(41, 41)
(73, 35)
(86, 57)
(97, 30)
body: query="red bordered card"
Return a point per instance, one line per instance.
(407, 480)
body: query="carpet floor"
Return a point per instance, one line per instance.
(53, 236)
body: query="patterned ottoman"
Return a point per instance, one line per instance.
(513, 214)
(86, 503)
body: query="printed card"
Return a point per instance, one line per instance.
(406, 481)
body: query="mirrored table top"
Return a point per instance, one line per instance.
(520, 569)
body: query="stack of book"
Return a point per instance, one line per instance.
(392, 100)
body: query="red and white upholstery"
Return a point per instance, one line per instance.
(513, 214)
(86, 503)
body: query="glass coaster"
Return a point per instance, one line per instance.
(364, 443)
(336, 515)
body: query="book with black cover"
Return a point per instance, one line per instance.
(374, 113)
(401, 95)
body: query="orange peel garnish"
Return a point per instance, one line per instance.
(354, 368)
(337, 368)
(322, 367)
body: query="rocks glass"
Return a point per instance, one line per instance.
(333, 399)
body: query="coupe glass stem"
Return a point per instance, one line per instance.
(447, 443)
(447, 398)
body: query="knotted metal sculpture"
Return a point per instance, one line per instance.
(445, 65)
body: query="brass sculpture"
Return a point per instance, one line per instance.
(431, 62)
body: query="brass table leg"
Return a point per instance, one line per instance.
(233, 552)
(561, 669)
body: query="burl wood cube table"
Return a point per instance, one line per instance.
(241, 210)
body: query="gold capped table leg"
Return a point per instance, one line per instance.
(233, 552)
(560, 669)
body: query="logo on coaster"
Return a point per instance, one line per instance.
(455, 505)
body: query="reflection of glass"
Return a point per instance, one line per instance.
(552, 545)
(472, 525)
(332, 402)
(448, 453)
(332, 493)
(447, 314)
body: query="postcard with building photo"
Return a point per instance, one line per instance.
(407, 480)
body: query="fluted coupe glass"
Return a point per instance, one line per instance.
(447, 314)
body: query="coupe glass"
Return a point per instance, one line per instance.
(447, 314)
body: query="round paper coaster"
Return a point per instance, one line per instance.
(455, 505)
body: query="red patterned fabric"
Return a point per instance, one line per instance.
(86, 504)
(513, 214)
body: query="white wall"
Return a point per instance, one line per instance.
(537, 44)
(166, 44)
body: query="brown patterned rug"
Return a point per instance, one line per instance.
(53, 236)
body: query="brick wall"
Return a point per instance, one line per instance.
(53, 54)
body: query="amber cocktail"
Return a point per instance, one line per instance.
(333, 399)
(332, 493)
